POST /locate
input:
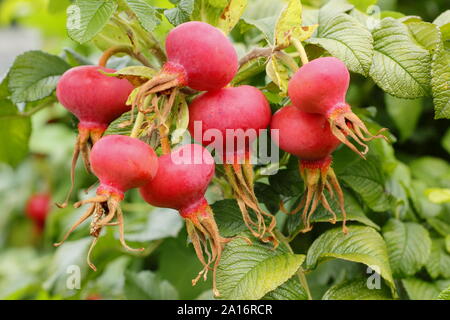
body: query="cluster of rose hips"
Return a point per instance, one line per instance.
(202, 58)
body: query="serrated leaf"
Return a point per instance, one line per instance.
(366, 178)
(147, 15)
(345, 38)
(400, 66)
(251, 271)
(405, 113)
(290, 290)
(361, 244)
(444, 295)
(181, 13)
(278, 73)
(356, 290)
(231, 15)
(86, 18)
(289, 20)
(440, 83)
(353, 209)
(146, 285)
(34, 75)
(409, 246)
(15, 132)
(420, 290)
(438, 263)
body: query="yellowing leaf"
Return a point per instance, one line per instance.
(231, 15)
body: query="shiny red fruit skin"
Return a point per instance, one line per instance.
(181, 186)
(122, 163)
(207, 57)
(305, 135)
(320, 85)
(94, 98)
(244, 107)
(38, 207)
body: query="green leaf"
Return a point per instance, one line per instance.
(433, 171)
(15, 132)
(290, 290)
(209, 11)
(111, 35)
(267, 195)
(420, 290)
(137, 75)
(228, 217)
(437, 195)
(181, 13)
(161, 223)
(361, 244)
(438, 263)
(366, 178)
(74, 58)
(400, 66)
(86, 18)
(231, 15)
(356, 290)
(440, 80)
(251, 271)
(409, 246)
(345, 38)
(265, 25)
(446, 141)
(278, 73)
(250, 69)
(34, 75)
(287, 182)
(444, 295)
(289, 21)
(442, 19)
(405, 113)
(426, 34)
(362, 5)
(146, 285)
(147, 15)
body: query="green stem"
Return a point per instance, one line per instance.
(301, 50)
(300, 271)
(137, 125)
(287, 60)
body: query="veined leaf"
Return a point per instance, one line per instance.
(409, 246)
(400, 66)
(426, 34)
(421, 290)
(290, 290)
(438, 263)
(181, 13)
(278, 73)
(361, 244)
(34, 75)
(289, 20)
(440, 83)
(356, 290)
(366, 178)
(344, 37)
(147, 15)
(86, 18)
(251, 271)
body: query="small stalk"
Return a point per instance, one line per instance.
(301, 50)
(123, 49)
(287, 60)
(137, 125)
